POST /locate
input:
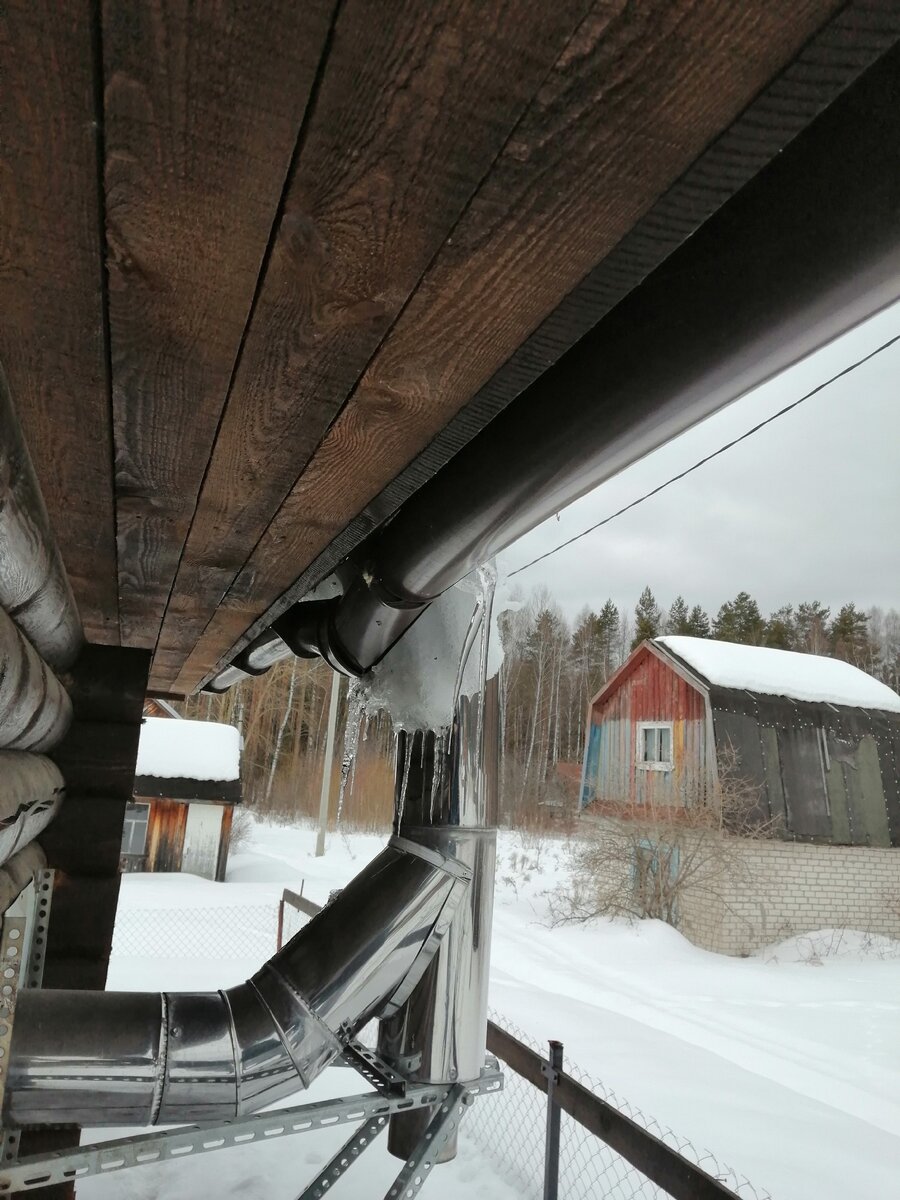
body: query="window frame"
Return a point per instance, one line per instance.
(656, 764)
(131, 823)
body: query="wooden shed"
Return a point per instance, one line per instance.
(816, 739)
(186, 785)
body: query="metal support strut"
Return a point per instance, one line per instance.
(23, 944)
(373, 1109)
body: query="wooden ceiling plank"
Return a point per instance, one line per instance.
(51, 287)
(410, 116)
(627, 109)
(203, 106)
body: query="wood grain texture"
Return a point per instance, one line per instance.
(51, 270)
(633, 101)
(203, 104)
(830, 62)
(410, 115)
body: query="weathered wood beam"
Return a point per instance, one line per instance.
(409, 116)
(31, 791)
(52, 342)
(201, 117)
(35, 710)
(34, 588)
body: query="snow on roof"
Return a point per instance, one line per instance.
(782, 673)
(188, 750)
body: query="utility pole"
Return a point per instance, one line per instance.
(329, 759)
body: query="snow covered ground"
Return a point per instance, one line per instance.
(786, 1065)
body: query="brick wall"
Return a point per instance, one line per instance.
(789, 888)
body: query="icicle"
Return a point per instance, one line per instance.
(355, 708)
(437, 773)
(474, 625)
(407, 763)
(487, 578)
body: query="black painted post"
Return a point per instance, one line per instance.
(551, 1069)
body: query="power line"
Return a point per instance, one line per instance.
(709, 457)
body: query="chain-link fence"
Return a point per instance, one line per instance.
(292, 922)
(508, 1126)
(200, 933)
(511, 1127)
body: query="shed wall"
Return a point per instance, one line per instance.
(828, 773)
(165, 835)
(652, 691)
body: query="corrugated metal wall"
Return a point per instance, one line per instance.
(650, 691)
(829, 773)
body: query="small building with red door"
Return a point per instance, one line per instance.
(187, 782)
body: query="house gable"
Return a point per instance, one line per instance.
(647, 736)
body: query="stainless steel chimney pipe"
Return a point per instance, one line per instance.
(116, 1058)
(448, 801)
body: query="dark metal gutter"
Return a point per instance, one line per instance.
(806, 251)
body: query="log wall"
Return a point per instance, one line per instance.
(34, 588)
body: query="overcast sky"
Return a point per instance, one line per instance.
(808, 508)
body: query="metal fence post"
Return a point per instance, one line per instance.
(551, 1069)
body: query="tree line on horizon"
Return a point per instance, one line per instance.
(551, 668)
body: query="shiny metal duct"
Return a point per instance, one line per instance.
(447, 800)
(108, 1058)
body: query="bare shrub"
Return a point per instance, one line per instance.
(241, 829)
(640, 860)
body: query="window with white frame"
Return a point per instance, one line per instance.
(134, 830)
(654, 745)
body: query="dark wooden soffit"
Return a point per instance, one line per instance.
(202, 115)
(52, 340)
(256, 263)
(588, 158)
(409, 117)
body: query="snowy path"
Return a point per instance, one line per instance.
(788, 1071)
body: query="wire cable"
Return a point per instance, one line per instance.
(709, 457)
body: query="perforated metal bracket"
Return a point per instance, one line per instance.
(442, 1127)
(37, 950)
(103, 1158)
(345, 1158)
(23, 944)
(12, 943)
(374, 1069)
